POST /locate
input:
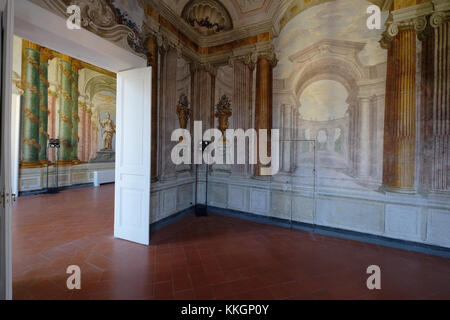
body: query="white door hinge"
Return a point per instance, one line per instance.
(3, 198)
(6, 198)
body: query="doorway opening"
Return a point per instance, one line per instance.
(64, 115)
(62, 139)
(81, 67)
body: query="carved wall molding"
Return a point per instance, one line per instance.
(98, 17)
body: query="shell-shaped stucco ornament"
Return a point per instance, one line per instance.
(207, 16)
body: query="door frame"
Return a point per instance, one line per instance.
(6, 87)
(81, 44)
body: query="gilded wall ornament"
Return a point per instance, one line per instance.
(223, 113)
(183, 112)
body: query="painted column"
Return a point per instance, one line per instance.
(88, 135)
(352, 139)
(365, 154)
(31, 123)
(75, 118)
(81, 128)
(288, 128)
(169, 118)
(400, 115)
(43, 106)
(94, 141)
(152, 49)
(264, 101)
(203, 88)
(298, 133)
(441, 103)
(87, 130)
(53, 100)
(242, 106)
(65, 112)
(203, 93)
(435, 96)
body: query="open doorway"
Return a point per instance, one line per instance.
(81, 67)
(64, 115)
(63, 139)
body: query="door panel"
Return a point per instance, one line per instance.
(133, 160)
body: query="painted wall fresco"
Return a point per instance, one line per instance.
(63, 82)
(330, 64)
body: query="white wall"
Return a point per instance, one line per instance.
(398, 216)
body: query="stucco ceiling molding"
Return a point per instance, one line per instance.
(97, 17)
(247, 6)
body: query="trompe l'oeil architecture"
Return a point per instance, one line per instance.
(59, 97)
(363, 113)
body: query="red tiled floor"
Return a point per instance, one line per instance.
(201, 258)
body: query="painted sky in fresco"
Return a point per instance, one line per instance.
(323, 100)
(337, 20)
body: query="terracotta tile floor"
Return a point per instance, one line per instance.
(201, 258)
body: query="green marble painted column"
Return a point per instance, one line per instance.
(30, 122)
(65, 111)
(43, 106)
(75, 118)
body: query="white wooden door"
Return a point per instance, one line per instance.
(6, 42)
(133, 156)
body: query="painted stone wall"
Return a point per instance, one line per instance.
(329, 103)
(331, 94)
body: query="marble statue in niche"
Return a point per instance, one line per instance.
(107, 153)
(108, 132)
